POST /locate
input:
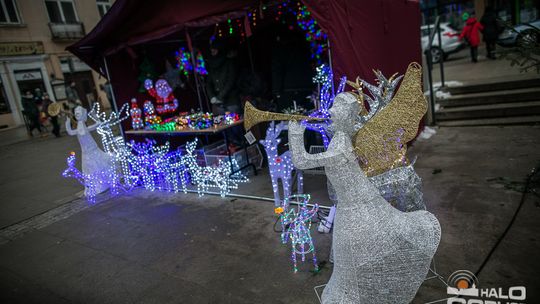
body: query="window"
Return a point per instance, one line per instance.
(103, 6)
(8, 12)
(61, 11)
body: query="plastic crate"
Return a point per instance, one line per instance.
(213, 159)
(255, 155)
(220, 153)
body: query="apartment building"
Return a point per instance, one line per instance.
(33, 38)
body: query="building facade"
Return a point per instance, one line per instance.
(33, 38)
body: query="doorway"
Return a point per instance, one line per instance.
(85, 86)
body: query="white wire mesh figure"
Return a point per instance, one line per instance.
(94, 160)
(381, 255)
(280, 166)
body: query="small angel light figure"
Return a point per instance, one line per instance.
(94, 160)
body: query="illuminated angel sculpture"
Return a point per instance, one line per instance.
(381, 254)
(94, 160)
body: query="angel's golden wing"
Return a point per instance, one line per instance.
(381, 143)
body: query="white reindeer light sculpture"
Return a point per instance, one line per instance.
(280, 166)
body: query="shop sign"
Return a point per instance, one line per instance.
(27, 75)
(21, 48)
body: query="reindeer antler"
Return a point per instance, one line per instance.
(380, 95)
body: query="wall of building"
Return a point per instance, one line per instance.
(34, 28)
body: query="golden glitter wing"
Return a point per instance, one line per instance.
(381, 143)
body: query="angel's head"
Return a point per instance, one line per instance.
(80, 113)
(343, 112)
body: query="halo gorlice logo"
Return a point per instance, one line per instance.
(463, 285)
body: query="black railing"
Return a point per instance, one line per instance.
(436, 30)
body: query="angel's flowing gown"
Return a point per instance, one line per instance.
(95, 163)
(381, 255)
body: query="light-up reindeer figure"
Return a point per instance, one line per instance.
(281, 166)
(174, 172)
(115, 146)
(205, 177)
(143, 163)
(91, 182)
(296, 225)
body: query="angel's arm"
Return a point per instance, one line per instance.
(69, 130)
(302, 159)
(93, 127)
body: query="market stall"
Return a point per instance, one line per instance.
(361, 35)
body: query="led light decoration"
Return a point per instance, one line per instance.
(163, 93)
(165, 126)
(230, 118)
(157, 168)
(206, 177)
(94, 160)
(150, 116)
(92, 182)
(115, 147)
(313, 33)
(200, 120)
(130, 165)
(124, 166)
(136, 115)
(183, 61)
(296, 225)
(324, 100)
(280, 166)
(200, 67)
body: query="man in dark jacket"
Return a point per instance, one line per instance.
(491, 31)
(221, 80)
(31, 112)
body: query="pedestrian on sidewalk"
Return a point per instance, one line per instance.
(31, 112)
(491, 31)
(471, 33)
(54, 119)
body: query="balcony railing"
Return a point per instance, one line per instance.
(67, 31)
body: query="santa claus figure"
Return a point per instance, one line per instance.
(163, 93)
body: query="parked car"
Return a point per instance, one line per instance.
(518, 33)
(450, 42)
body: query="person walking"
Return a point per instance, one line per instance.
(491, 31)
(54, 119)
(31, 112)
(221, 80)
(471, 33)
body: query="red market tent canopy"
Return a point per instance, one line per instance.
(363, 34)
